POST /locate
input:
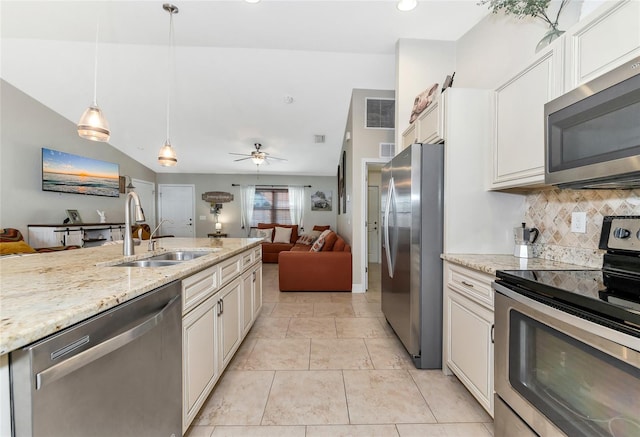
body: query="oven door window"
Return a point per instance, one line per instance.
(582, 390)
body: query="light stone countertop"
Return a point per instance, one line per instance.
(491, 263)
(41, 294)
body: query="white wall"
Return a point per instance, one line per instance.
(419, 64)
(364, 144)
(230, 213)
(27, 126)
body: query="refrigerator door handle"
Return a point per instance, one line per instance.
(387, 210)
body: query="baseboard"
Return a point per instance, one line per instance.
(357, 288)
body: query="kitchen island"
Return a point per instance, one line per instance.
(42, 294)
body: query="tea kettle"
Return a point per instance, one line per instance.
(524, 237)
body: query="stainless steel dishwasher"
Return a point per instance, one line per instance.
(117, 373)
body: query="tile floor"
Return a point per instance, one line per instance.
(327, 364)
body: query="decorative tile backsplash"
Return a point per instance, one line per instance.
(550, 212)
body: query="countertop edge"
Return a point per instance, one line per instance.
(491, 263)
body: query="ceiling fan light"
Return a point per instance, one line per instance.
(93, 125)
(407, 5)
(258, 159)
(167, 156)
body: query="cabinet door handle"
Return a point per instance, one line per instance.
(493, 330)
(219, 307)
(468, 284)
(222, 306)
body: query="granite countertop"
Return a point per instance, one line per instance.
(491, 263)
(41, 294)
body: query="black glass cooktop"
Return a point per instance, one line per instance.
(614, 296)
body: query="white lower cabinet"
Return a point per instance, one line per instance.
(468, 331)
(200, 367)
(215, 321)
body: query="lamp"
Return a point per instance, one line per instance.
(93, 125)
(167, 156)
(218, 227)
(407, 5)
(258, 157)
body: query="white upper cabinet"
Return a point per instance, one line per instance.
(518, 140)
(607, 38)
(430, 124)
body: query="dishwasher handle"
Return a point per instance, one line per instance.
(101, 349)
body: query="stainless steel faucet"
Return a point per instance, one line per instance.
(152, 242)
(127, 246)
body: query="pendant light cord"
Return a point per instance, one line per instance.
(169, 75)
(95, 68)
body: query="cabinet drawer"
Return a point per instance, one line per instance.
(471, 283)
(198, 287)
(230, 268)
(247, 259)
(257, 253)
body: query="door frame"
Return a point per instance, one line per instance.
(135, 181)
(364, 198)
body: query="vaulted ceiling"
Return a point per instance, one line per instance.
(277, 72)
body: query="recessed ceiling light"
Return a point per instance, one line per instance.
(407, 5)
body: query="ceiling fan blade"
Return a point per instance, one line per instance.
(242, 159)
(279, 159)
(239, 154)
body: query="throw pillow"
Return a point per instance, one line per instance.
(321, 228)
(308, 239)
(319, 243)
(283, 235)
(15, 247)
(265, 234)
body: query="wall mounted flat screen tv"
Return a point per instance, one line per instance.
(67, 173)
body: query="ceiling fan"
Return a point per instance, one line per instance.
(257, 156)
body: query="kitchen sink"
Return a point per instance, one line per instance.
(182, 255)
(148, 263)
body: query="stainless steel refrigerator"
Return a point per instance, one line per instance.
(412, 198)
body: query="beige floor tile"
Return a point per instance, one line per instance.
(373, 296)
(333, 309)
(352, 431)
(344, 353)
(259, 431)
(287, 309)
(444, 430)
(312, 327)
(270, 327)
(490, 428)
(243, 352)
(366, 309)
(267, 308)
(345, 297)
(388, 353)
(279, 354)
(448, 399)
(315, 397)
(362, 327)
(239, 398)
(387, 327)
(311, 297)
(199, 431)
(384, 396)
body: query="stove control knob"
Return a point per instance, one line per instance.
(621, 233)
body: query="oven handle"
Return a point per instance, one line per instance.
(101, 349)
(608, 333)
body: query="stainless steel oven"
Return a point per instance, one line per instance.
(567, 345)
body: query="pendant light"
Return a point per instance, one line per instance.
(93, 125)
(407, 5)
(167, 156)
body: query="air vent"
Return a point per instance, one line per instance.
(387, 150)
(319, 138)
(381, 113)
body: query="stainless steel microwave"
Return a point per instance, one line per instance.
(592, 133)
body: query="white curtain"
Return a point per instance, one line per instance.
(296, 205)
(247, 196)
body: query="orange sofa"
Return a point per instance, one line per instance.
(301, 269)
(271, 250)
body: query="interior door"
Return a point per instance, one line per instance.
(373, 224)
(147, 192)
(176, 204)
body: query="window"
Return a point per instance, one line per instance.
(271, 205)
